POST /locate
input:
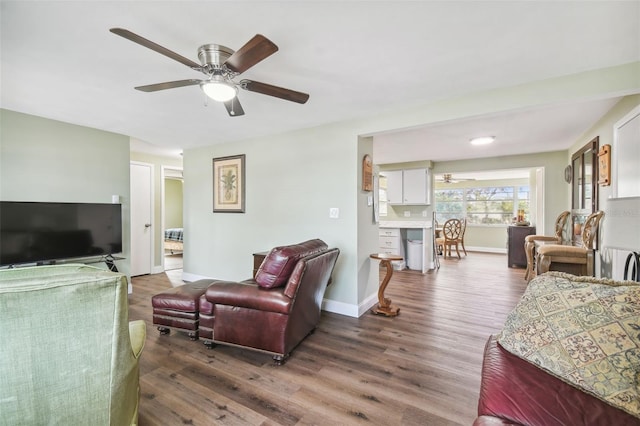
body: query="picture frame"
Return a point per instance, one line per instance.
(229, 184)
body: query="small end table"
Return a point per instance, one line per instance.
(384, 305)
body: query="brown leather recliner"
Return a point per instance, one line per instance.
(277, 309)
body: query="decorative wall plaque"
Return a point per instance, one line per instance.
(604, 165)
(367, 173)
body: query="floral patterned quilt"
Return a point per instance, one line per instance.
(584, 331)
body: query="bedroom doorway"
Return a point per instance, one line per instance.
(172, 219)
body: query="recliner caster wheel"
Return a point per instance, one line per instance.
(209, 344)
(280, 359)
(164, 330)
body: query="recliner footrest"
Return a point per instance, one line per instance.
(178, 308)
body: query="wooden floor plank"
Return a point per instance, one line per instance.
(419, 368)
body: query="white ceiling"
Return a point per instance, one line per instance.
(355, 59)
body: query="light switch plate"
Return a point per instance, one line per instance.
(407, 214)
(334, 213)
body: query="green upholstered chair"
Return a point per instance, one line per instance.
(68, 353)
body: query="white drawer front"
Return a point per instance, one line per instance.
(389, 232)
(391, 242)
(385, 250)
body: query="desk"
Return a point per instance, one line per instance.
(425, 227)
(384, 305)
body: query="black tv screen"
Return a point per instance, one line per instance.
(42, 232)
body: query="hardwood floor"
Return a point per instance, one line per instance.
(419, 368)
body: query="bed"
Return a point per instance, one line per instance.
(173, 239)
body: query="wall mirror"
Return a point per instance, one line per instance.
(584, 186)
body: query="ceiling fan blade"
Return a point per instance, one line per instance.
(278, 92)
(254, 51)
(168, 85)
(156, 47)
(233, 107)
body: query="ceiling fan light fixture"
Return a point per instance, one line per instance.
(218, 89)
(484, 140)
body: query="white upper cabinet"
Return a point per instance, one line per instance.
(394, 186)
(410, 186)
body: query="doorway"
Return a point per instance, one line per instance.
(172, 219)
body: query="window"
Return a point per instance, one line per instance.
(492, 205)
(449, 204)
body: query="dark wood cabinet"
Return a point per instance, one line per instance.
(257, 261)
(515, 244)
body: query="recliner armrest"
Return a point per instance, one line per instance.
(248, 295)
(529, 238)
(137, 335)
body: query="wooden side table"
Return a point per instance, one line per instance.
(384, 304)
(257, 261)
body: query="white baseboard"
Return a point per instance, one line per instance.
(488, 250)
(189, 277)
(349, 309)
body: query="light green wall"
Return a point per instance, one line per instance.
(556, 190)
(47, 160)
(172, 203)
(158, 163)
(368, 271)
(604, 129)
(490, 238)
(293, 179)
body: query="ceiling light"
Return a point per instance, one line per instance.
(483, 140)
(218, 89)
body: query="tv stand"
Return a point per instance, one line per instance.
(110, 261)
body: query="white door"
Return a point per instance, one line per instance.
(141, 213)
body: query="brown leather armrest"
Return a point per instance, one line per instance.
(248, 295)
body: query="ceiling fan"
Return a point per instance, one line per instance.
(221, 65)
(448, 178)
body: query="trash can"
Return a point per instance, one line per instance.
(414, 254)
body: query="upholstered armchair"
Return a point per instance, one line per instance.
(277, 309)
(68, 353)
(571, 259)
(529, 243)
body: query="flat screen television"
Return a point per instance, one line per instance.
(43, 232)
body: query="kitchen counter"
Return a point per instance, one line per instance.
(405, 224)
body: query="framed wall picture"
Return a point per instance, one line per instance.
(228, 184)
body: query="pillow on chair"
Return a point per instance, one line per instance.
(279, 263)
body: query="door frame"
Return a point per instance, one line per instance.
(163, 176)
